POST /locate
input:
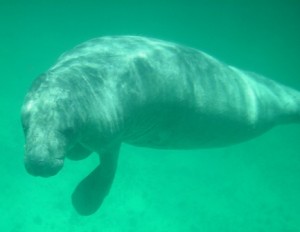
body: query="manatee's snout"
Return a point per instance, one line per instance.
(41, 166)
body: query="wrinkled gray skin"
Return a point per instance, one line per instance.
(147, 93)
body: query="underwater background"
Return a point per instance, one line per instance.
(253, 186)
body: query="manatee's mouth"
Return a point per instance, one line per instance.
(43, 167)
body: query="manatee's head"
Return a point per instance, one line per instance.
(48, 133)
(44, 156)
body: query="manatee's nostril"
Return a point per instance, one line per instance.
(42, 167)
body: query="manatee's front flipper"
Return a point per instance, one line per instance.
(78, 152)
(91, 191)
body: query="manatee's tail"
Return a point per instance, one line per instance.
(291, 106)
(91, 191)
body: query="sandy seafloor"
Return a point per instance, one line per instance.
(254, 186)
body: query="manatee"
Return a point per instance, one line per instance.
(144, 92)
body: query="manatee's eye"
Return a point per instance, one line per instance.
(25, 129)
(25, 124)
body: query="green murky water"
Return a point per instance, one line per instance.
(254, 186)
